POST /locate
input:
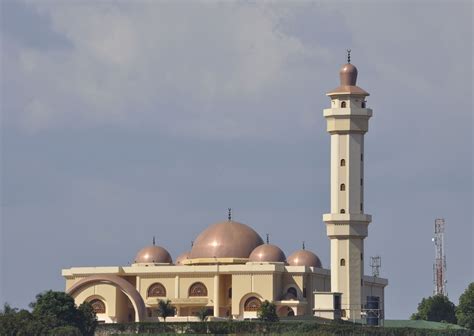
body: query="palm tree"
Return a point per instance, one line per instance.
(165, 309)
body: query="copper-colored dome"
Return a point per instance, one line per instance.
(153, 254)
(348, 74)
(267, 252)
(348, 78)
(304, 258)
(227, 239)
(182, 257)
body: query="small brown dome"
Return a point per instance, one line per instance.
(348, 75)
(304, 258)
(153, 255)
(182, 257)
(267, 252)
(227, 239)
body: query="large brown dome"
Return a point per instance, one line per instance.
(304, 258)
(153, 255)
(227, 239)
(268, 253)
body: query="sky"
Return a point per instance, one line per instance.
(124, 120)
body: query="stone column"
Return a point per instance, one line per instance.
(216, 296)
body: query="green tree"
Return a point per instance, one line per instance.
(203, 313)
(165, 309)
(267, 312)
(436, 308)
(88, 319)
(54, 313)
(58, 307)
(465, 309)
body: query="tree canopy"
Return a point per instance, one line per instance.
(465, 309)
(53, 313)
(436, 308)
(267, 312)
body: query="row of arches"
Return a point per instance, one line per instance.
(252, 304)
(158, 290)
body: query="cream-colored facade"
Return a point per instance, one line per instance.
(230, 271)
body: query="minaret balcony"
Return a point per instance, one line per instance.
(347, 112)
(347, 218)
(347, 120)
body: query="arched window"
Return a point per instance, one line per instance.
(343, 104)
(362, 207)
(156, 290)
(363, 104)
(343, 262)
(291, 294)
(98, 306)
(252, 304)
(343, 187)
(197, 289)
(343, 211)
(343, 163)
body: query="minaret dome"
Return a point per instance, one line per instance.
(348, 75)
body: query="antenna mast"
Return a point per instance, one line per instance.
(375, 263)
(439, 267)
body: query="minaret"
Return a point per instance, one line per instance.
(347, 122)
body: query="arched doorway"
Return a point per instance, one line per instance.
(133, 305)
(252, 304)
(249, 305)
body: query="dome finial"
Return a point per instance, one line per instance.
(229, 216)
(192, 243)
(268, 238)
(303, 245)
(153, 240)
(348, 56)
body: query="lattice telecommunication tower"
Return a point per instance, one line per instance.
(375, 263)
(439, 267)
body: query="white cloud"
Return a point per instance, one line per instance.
(127, 59)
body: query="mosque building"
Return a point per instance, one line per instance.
(230, 270)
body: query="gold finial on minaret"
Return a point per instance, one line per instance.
(348, 55)
(229, 215)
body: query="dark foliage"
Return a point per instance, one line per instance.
(53, 313)
(465, 309)
(267, 312)
(165, 309)
(436, 308)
